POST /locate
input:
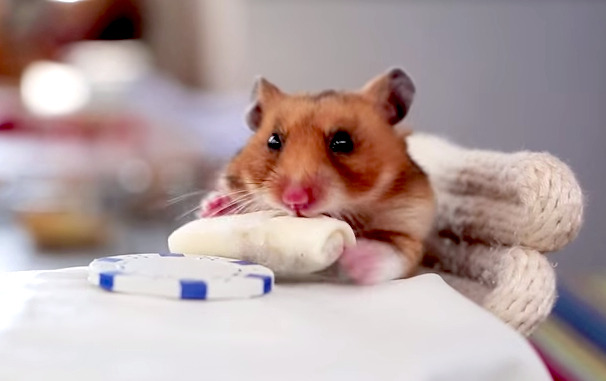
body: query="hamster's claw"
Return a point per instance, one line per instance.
(216, 204)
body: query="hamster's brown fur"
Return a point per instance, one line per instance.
(376, 188)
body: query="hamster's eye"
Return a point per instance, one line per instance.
(274, 142)
(341, 142)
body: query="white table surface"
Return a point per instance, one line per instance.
(56, 326)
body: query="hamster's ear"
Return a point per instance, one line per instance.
(263, 94)
(392, 93)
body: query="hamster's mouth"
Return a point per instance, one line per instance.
(303, 213)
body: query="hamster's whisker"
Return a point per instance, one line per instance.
(181, 197)
(235, 193)
(244, 206)
(232, 203)
(190, 211)
(184, 197)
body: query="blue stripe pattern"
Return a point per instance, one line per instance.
(170, 255)
(243, 262)
(109, 259)
(267, 281)
(106, 280)
(193, 289)
(585, 319)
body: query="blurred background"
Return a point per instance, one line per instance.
(116, 114)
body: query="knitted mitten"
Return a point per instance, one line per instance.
(496, 214)
(525, 198)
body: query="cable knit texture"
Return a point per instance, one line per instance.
(497, 214)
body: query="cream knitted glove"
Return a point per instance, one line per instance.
(525, 198)
(496, 213)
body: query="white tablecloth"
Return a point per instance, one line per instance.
(56, 326)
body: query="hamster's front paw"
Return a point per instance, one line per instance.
(372, 262)
(216, 204)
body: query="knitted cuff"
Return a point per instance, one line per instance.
(515, 284)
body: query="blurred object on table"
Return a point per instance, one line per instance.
(76, 154)
(94, 165)
(32, 30)
(66, 217)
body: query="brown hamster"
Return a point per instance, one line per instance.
(336, 154)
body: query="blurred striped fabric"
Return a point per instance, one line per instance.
(572, 342)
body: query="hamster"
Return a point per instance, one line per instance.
(336, 153)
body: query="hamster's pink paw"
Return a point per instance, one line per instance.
(215, 204)
(372, 262)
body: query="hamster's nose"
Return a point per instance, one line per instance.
(297, 197)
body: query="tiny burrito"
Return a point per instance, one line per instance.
(287, 245)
